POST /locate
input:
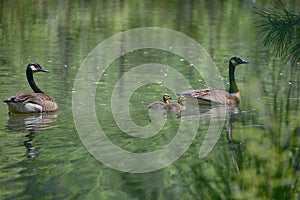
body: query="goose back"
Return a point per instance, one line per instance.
(211, 96)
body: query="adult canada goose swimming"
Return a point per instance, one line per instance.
(158, 105)
(31, 102)
(175, 108)
(208, 95)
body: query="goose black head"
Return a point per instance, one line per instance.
(235, 61)
(35, 67)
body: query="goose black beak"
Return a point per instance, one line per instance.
(244, 62)
(44, 70)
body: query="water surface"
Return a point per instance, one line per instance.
(42, 156)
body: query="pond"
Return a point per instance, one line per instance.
(248, 152)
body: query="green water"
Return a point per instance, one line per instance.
(42, 157)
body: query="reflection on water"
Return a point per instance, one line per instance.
(33, 124)
(236, 147)
(217, 112)
(228, 114)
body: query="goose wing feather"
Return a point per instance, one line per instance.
(207, 95)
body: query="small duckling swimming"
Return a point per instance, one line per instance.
(159, 105)
(176, 108)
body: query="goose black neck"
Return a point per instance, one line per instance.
(31, 82)
(233, 88)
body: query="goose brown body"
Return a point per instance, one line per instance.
(211, 96)
(31, 102)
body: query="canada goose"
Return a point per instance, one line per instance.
(31, 102)
(175, 108)
(158, 105)
(208, 95)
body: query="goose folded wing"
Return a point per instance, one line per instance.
(208, 95)
(37, 98)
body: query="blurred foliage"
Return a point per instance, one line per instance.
(280, 28)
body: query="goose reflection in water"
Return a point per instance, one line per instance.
(209, 115)
(218, 112)
(33, 123)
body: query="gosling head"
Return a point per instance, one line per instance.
(235, 61)
(35, 67)
(166, 98)
(181, 99)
